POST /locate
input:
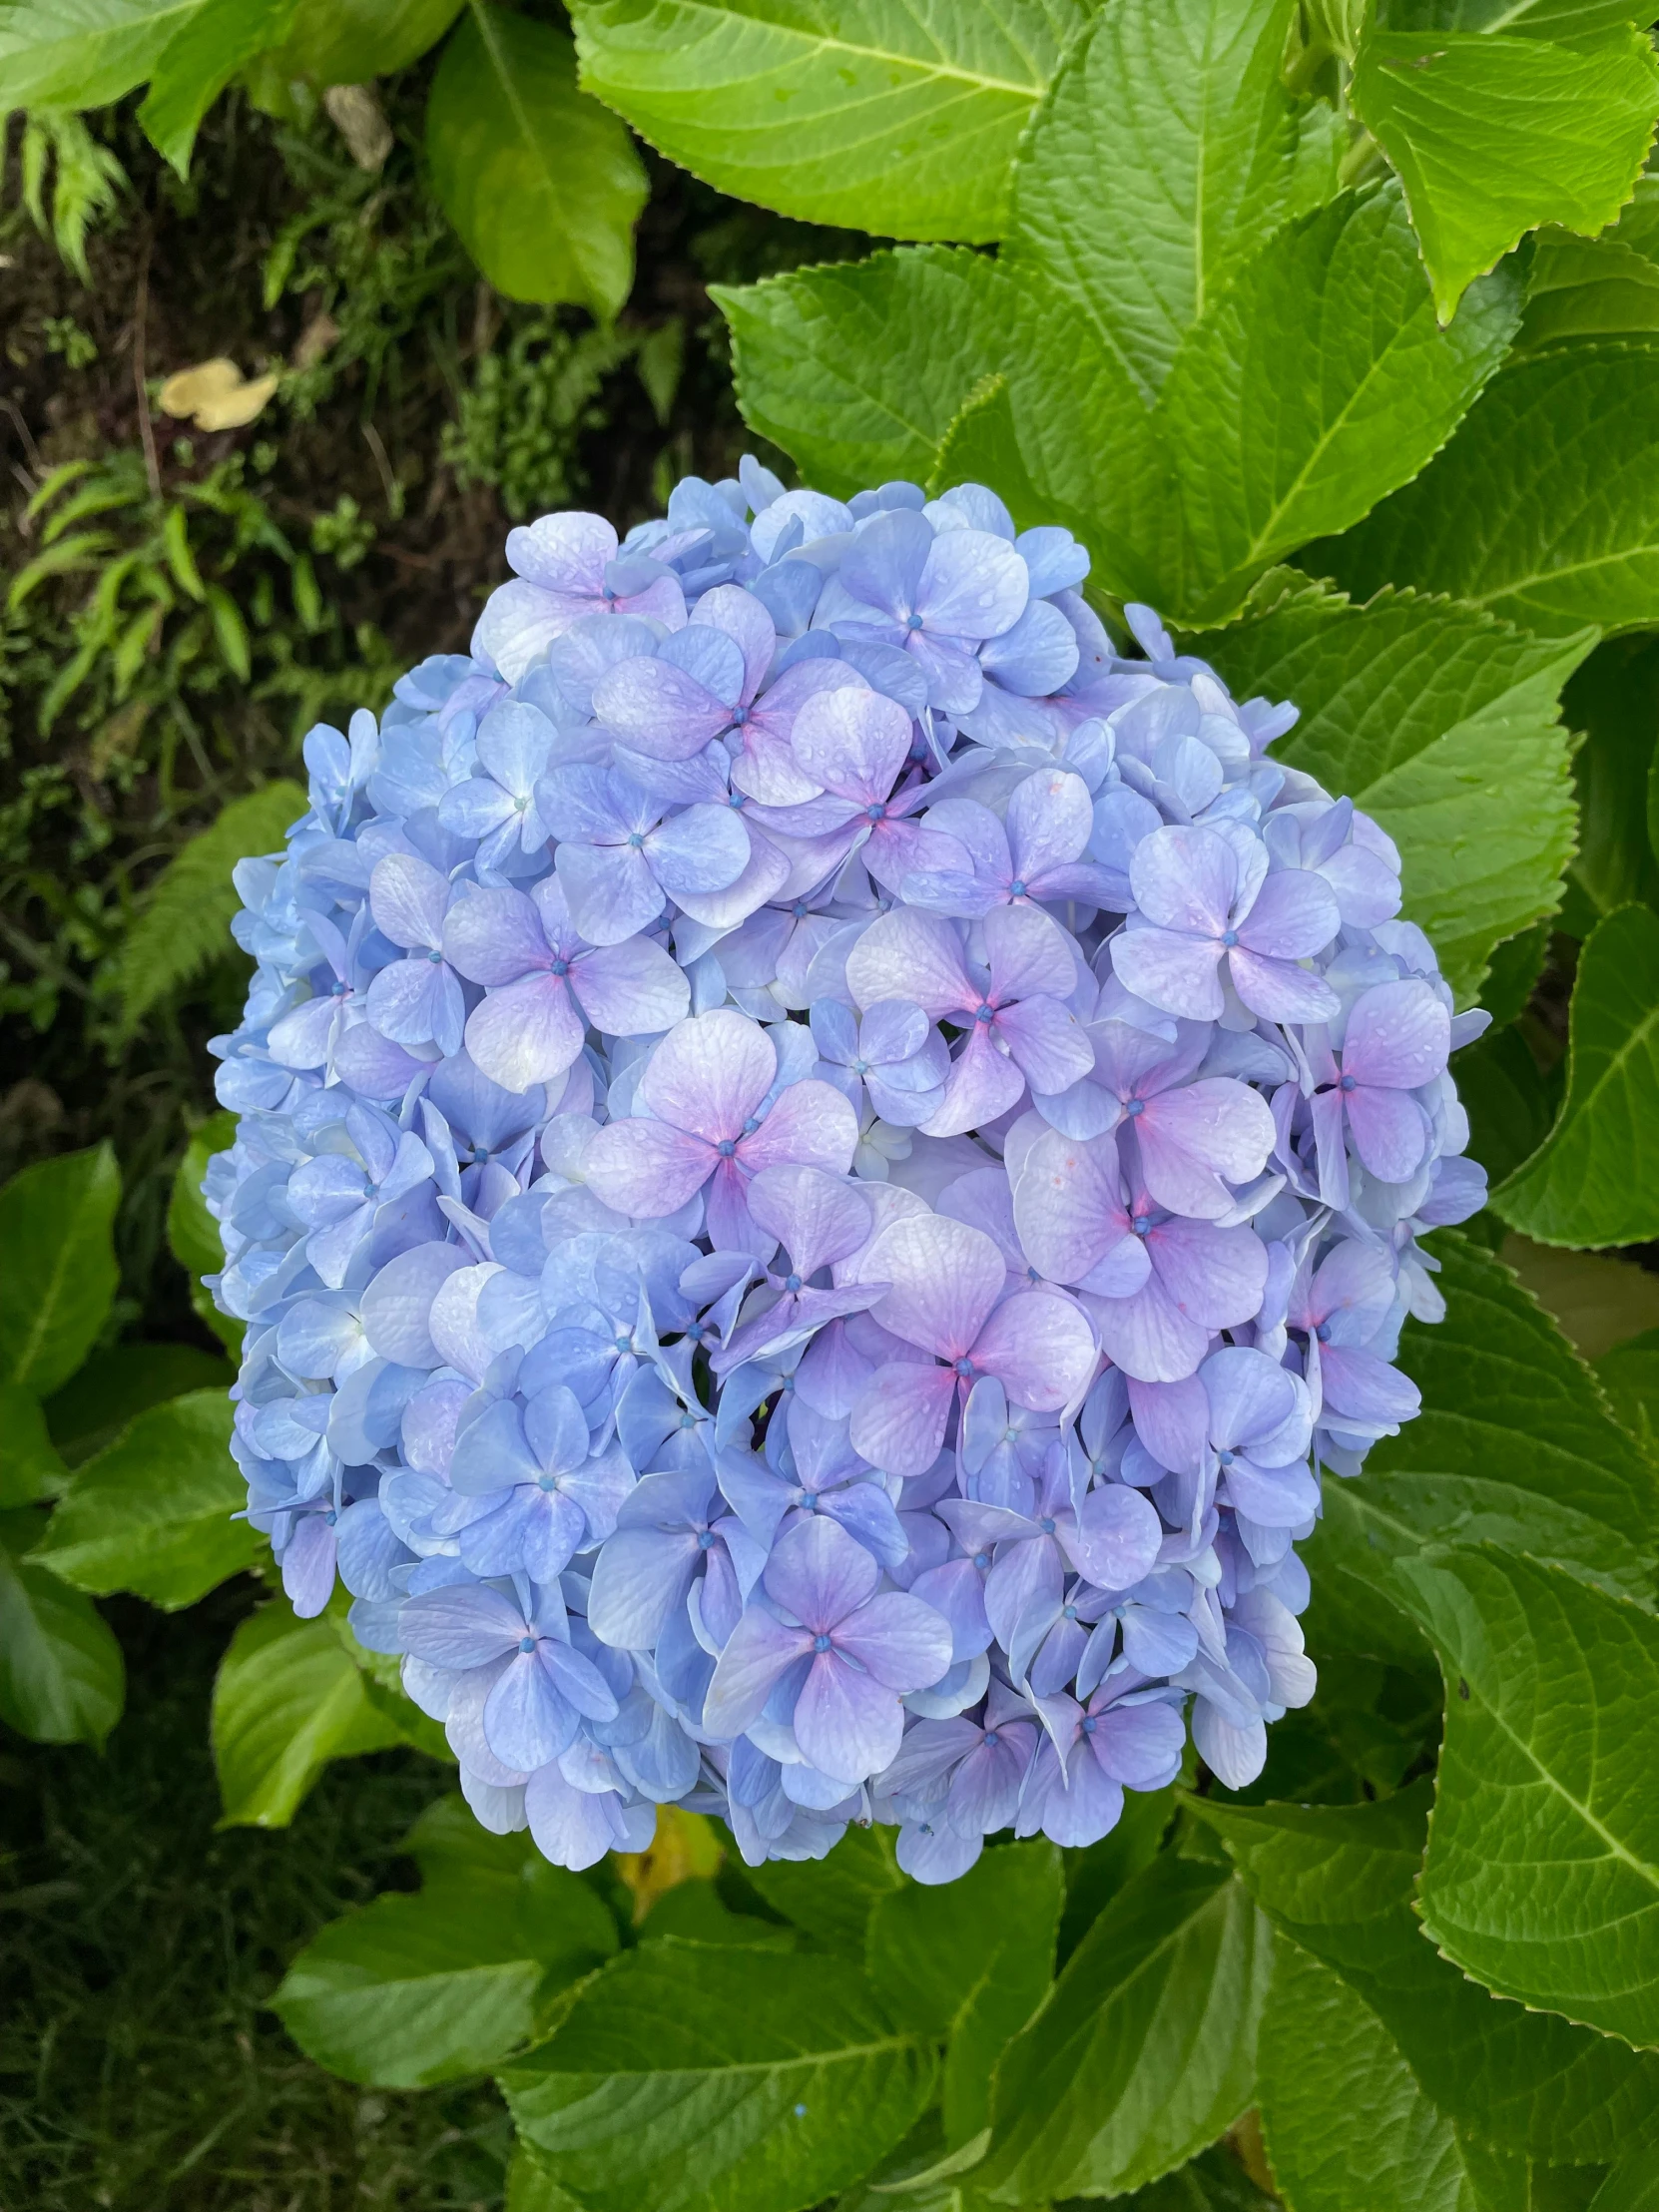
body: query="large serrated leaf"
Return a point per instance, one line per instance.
(1595, 1178)
(1493, 136)
(694, 2077)
(1317, 383)
(899, 119)
(82, 53)
(1515, 1445)
(1340, 1882)
(152, 1513)
(1544, 509)
(1542, 1875)
(62, 1678)
(431, 1988)
(543, 185)
(287, 1697)
(1146, 2047)
(970, 1961)
(1444, 725)
(857, 368)
(59, 1274)
(1165, 152)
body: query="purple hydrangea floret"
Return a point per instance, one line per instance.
(823, 1157)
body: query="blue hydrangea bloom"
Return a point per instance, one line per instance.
(823, 1160)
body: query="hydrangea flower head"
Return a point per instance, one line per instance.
(824, 1160)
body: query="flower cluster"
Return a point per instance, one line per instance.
(822, 1159)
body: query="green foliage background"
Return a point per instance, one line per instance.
(1333, 327)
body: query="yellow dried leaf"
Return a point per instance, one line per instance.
(215, 395)
(684, 1849)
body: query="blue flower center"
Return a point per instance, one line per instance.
(704, 1539)
(876, 814)
(1225, 1458)
(1230, 937)
(737, 799)
(1090, 1724)
(636, 840)
(725, 1148)
(1135, 1108)
(623, 1342)
(437, 958)
(559, 967)
(1070, 1613)
(547, 1483)
(1046, 1525)
(1016, 889)
(1142, 1224)
(912, 622)
(527, 1643)
(792, 1282)
(820, 1643)
(982, 1560)
(1350, 1083)
(967, 1370)
(1322, 1331)
(740, 715)
(984, 1011)
(990, 1737)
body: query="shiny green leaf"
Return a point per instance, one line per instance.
(444, 1984)
(152, 1513)
(1595, 1180)
(62, 1679)
(1493, 136)
(898, 117)
(286, 1700)
(542, 184)
(59, 1275)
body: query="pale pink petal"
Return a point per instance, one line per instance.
(709, 1073)
(905, 954)
(982, 1084)
(1215, 1275)
(945, 1279)
(1045, 1039)
(1028, 951)
(847, 1724)
(852, 743)
(1279, 990)
(757, 1652)
(1185, 878)
(1040, 1347)
(647, 1167)
(897, 1422)
(1171, 971)
(632, 989)
(1391, 1132)
(1148, 1336)
(1399, 1034)
(525, 1033)
(904, 1644)
(812, 1122)
(1294, 915)
(1068, 1205)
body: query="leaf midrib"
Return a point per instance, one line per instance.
(921, 69)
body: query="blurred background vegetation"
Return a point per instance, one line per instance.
(179, 603)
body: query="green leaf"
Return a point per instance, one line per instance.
(82, 53)
(1146, 2048)
(92, 1409)
(1095, 1873)
(1515, 1444)
(418, 1990)
(543, 185)
(1317, 384)
(185, 924)
(1165, 152)
(970, 1961)
(1595, 1180)
(286, 1700)
(1347, 2126)
(831, 1900)
(152, 1513)
(1614, 701)
(1590, 288)
(1542, 1876)
(1493, 136)
(1342, 1882)
(1629, 1374)
(1545, 506)
(695, 1910)
(60, 1272)
(856, 369)
(30, 1468)
(1214, 2181)
(349, 42)
(1442, 723)
(899, 119)
(198, 61)
(62, 1680)
(692, 2078)
(192, 1233)
(1506, 1100)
